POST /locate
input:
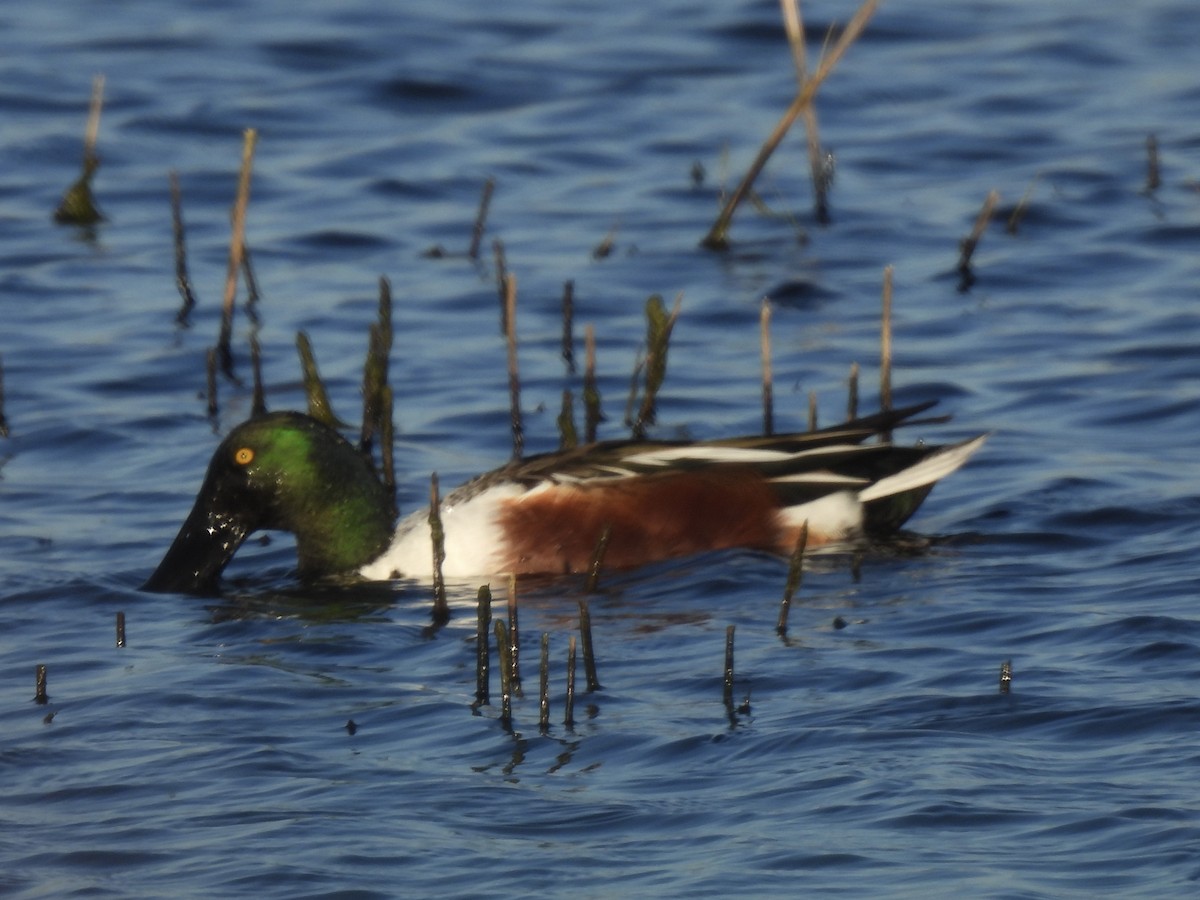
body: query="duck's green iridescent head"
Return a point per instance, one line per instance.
(286, 472)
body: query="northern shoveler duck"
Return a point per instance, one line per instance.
(544, 514)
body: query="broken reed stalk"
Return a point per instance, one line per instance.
(794, 578)
(1018, 213)
(852, 401)
(120, 629)
(544, 686)
(258, 403)
(568, 332)
(592, 584)
(505, 651)
(315, 394)
(1153, 175)
(794, 26)
(1006, 676)
(585, 638)
(968, 244)
(718, 236)
(40, 696)
(183, 281)
(236, 247)
(592, 414)
(483, 618)
(441, 609)
(210, 373)
(659, 325)
(885, 343)
(764, 339)
(812, 410)
(501, 281)
(485, 201)
(252, 294)
(375, 369)
(3, 419)
(514, 637)
(569, 701)
(728, 685)
(78, 205)
(514, 374)
(604, 249)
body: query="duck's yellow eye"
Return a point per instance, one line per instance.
(243, 456)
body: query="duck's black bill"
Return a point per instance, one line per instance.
(204, 546)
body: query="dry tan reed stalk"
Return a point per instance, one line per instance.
(794, 26)
(236, 245)
(514, 374)
(764, 340)
(78, 205)
(718, 236)
(501, 281)
(885, 343)
(1018, 213)
(92, 133)
(812, 410)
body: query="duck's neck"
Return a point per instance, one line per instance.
(343, 533)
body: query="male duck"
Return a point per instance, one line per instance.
(544, 514)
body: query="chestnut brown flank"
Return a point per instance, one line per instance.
(652, 517)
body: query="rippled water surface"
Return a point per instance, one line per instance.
(877, 756)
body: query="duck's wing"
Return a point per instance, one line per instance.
(625, 458)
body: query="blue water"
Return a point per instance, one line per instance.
(211, 755)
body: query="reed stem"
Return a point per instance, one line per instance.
(885, 345)
(485, 201)
(589, 656)
(794, 578)
(483, 618)
(718, 236)
(236, 246)
(514, 374)
(544, 686)
(968, 244)
(441, 608)
(183, 281)
(768, 403)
